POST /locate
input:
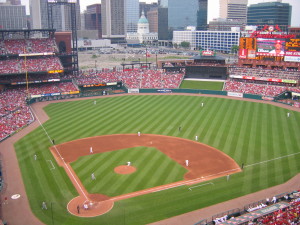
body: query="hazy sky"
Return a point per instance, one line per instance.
(213, 7)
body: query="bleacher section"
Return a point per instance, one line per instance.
(263, 82)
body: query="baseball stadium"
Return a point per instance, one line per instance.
(187, 141)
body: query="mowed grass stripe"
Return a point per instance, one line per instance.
(163, 111)
(174, 119)
(231, 146)
(93, 117)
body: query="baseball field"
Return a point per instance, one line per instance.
(259, 136)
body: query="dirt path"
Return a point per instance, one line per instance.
(13, 212)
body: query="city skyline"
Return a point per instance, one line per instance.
(213, 7)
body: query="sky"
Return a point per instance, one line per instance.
(213, 7)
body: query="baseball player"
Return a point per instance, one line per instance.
(187, 162)
(91, 150)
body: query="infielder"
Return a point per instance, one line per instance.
(139, 133)
(128, 163)
(91, 150)
(187, 162)
(196, 138)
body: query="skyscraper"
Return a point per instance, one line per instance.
(233, 9)
(92, 18)
(13, 17)
(269, 13)
(202, 15)
(132, 15)
(113, 20)
(61, 15)
(182, 14)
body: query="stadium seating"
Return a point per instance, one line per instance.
(22, 46)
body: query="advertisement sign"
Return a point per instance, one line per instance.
(164, 90)
(291, 59)
(243, 53)
(235, 94)
(207, 53)
(292, 56)
(270, 47)
(133, 91)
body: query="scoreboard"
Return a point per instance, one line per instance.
(253, 48)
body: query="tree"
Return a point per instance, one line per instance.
(234, 49)
(185, 44)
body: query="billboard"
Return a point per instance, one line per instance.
(247, 48)
(292, 53)
(270, 47)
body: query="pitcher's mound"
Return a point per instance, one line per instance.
(123, 169)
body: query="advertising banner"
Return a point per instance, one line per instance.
(134, 90)
(164, 91)
(243, 53)
(235, 94)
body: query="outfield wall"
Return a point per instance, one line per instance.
(136, 91)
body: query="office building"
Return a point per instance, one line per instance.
(202, 15)
(163, 31)
(221, 24)
(233, 9)
(132, 15)
(13, 16)
(92, 19)
(193, 15)
(61, 15)
(269, 13)
(220, 41)
(152, 16)
(113, 20)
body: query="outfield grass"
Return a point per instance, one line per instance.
(149, 163)
(250, 133)
(202, 85)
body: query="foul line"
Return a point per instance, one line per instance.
(53, 167)
(201, 185)
(66, 165)
(281, 157)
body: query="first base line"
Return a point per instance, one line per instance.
(53, 167)
(201, 185)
